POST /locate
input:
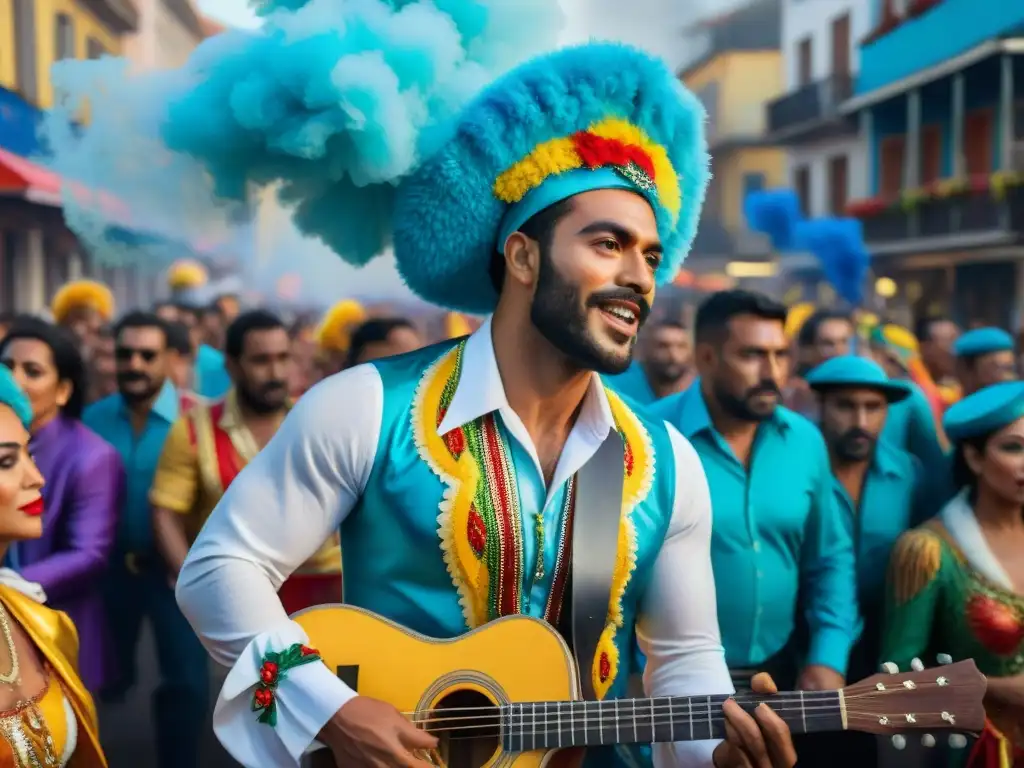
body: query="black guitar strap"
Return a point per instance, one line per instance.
(595, 543)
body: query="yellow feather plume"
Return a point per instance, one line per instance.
(186, 274)
(82, 294)
(338, 323)
(796, 317)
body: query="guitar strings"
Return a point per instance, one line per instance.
(698, 716)
(521, 729)
(787, 697)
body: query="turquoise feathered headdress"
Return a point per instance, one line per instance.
(14, 398)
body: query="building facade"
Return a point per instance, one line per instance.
(736, 69)
(38, 253)
(825, 159)
(939, 104)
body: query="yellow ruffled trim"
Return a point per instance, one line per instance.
(559, 155)
(468, 573)
(635, 489)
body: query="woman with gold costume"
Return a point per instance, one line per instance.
(47, 718)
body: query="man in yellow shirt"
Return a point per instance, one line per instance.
(208, 446)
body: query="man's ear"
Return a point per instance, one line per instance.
(522, 259)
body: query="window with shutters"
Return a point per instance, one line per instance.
(805, 62)
(802, 187)
(931, 154)
(979, 133)
(838, 184)
(64, 37)
(94, 48)
(890, 160)
(25, 49)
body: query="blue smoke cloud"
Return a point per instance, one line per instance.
(838, 244)
(333, 102)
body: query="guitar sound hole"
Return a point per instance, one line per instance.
(468, 726)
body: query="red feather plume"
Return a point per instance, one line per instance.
(597, 152)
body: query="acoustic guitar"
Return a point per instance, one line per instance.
(507, 694)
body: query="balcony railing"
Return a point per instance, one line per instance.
(975, 213)
(810, 104)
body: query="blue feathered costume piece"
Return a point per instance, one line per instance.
(837, 243)
(376, 127)
(14, 397)
(455, 211)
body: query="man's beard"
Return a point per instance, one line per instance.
(560, 314)
(666, 373)
(138, 396)
(740, 408)
(855, 445)
(262, 400)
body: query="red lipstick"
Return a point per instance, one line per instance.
(34, 508)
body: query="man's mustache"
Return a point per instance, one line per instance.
(131, 376)
(857, 434)
(621, 294)
(273, 386)
(766, 387)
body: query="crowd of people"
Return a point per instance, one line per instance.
(208, 470)
(138, 424)
(838, 454)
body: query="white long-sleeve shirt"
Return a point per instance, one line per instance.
(300, 488)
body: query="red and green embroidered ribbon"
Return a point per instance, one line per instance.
(273, 670)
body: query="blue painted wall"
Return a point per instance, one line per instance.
(981, 89)
(953, 27)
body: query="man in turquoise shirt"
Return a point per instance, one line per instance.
(663, 365)
(136, 420)
(875, 485)
(776, 532)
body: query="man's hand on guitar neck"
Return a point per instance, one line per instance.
(761, 741)
(369, 732)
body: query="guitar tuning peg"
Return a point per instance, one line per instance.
(944, 658)
(917, 665)
(957, 740)
(899, 742)
(928, 740)
(890, 668)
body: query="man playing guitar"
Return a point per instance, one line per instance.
(566, 191)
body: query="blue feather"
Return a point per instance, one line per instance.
(774, 213)
(839, 246)
(837, 243)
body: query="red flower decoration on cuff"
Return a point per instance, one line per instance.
(273, 669)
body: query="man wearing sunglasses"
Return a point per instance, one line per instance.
(136, 420)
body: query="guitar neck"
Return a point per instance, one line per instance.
(556, 724)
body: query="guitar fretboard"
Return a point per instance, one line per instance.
(557, 724)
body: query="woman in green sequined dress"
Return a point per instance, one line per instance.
(956, 583)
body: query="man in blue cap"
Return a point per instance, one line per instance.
(875, 485)
(984, 356)
(777, 531)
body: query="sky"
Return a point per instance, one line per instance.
(654, 25)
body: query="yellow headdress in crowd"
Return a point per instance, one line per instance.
(186, 274)
(82, 294)
(339, 321)
(796, 317)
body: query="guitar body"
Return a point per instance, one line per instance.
(514, 659)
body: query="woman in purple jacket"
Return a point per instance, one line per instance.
(84, 479)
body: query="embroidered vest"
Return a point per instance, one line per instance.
(436, 541)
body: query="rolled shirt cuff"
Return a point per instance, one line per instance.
(306, 698)
(830, 648)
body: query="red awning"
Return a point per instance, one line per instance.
(24, 178)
